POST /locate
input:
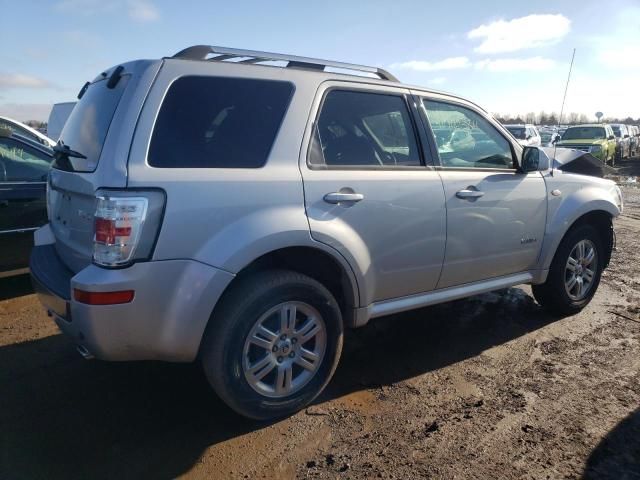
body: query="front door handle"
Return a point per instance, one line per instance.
(339, 197)
(468, 193)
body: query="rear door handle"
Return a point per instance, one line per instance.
(467, 193)
(338, 197)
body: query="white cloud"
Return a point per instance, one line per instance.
(619, 49)
(532, 31)
(621, 57)
(533, 64)
(143, 11)
(19, 80)
(452, 63)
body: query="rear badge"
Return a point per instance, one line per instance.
(525, 241)
(85, 215)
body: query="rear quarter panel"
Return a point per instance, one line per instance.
(228, 217)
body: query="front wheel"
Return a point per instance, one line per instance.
(575, 272)
(273, 344)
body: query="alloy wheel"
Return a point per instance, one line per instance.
(580, 270)
(284, 349)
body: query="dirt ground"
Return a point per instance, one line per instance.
(488, 387)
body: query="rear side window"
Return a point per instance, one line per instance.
(362, 129)
(217, 122)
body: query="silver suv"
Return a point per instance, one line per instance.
(242, 208)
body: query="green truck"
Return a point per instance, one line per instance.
(597, 139)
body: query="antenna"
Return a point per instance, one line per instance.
(555, 145)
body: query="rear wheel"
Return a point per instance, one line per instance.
(273, 344)
(575, 272)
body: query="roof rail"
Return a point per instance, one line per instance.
(201, 52)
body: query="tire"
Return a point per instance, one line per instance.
(553, 295)
(268, 299)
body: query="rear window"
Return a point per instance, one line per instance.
(88, 124)
(519, 132)
(216, 122)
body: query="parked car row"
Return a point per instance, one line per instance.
(607, 142)
(598, 139)
(627, 139)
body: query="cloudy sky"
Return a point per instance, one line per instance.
(509, 56)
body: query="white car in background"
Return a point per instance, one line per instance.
(26, 131)
(548, 138)
(58, 117)
(527, 135)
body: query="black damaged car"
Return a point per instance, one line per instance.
(24, 168)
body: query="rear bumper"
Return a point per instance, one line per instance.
(165, 321)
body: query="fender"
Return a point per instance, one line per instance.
(564, 210)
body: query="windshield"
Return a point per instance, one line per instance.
(87, 126)
(545, 137)
(519, 132)
(616, 130)
(584, 133)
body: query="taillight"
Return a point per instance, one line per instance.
(118, 223)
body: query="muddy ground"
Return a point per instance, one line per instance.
(488, 387)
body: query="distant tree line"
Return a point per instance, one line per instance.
(36, 124)
(572, 118)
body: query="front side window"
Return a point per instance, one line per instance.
(465, 139)
(21, 163)
(218, 122)
(364, 129)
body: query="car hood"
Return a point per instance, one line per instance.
(576, 161)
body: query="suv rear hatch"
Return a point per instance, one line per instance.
(92, 153)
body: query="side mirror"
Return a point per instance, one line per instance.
(626, 136)
(611, 137)
(530, 159)
(528, 137)
(555, 140)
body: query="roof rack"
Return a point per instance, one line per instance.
(202, 52)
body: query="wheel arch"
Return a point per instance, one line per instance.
(332, 272)
(600, 218)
